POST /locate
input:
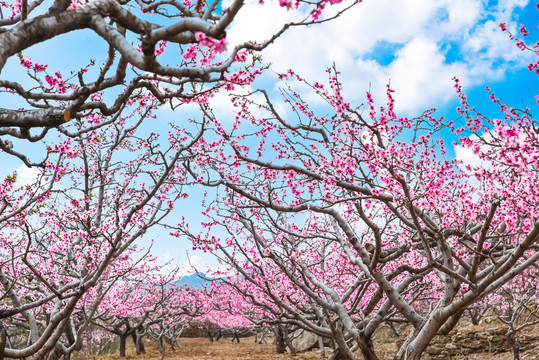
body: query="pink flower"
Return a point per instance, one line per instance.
(523, 30)
(216, 45)
(161, 49)
(289, 4)
(521, 45)
(39, 67)
(51, 80)
(26, 62)
(283, 77)
(241, 56)
(191, 52)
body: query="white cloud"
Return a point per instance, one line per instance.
(197, 263)
(26, 176)
(435, 40)
(468, 157)
(166, 256)
(188, 268)
(420, 75)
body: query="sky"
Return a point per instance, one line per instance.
(417, 46)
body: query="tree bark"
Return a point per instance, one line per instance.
(321, 346)
(451, 322)
(57, 353)
(3, 339)
(367, 348)
(288, 342)
(139, 344)
(406, 351)
(514, 344)
(279, 341)
(337, 354)
(123, 340)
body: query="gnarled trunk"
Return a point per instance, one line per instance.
(514, 344)
(139, 344)
(123, 340)
(279, 341)
(367, 348)
(451, 322)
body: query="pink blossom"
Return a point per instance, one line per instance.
(191, 52)
(289, 4)
(523, 30)
(26, 62)
(215, 45)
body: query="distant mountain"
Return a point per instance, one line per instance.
(192, 281)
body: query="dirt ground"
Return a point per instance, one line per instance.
(385, 345)
(203, 349)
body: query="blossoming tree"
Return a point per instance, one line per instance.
(115, 185)
(419, 236)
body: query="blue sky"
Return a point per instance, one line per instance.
(417, 45)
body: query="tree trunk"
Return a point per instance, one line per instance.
(394, 330)
(123, 340)
(262, 337)
(420, 337)
(160, 346)
(210, 335)
(514, 344)
(56, 354)
(367, 348)
(337, 355)
(139, 345)
(3, 339)
(321, 346)
(171, 342)
(279, 341)
(288, 342)
(451, 322)
(406, 350)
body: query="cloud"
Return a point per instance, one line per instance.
(197, 263)
(26, 176)
(419, 75)
(188, 268)
(467, 155)
(431, 41)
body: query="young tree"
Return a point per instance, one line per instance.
(97, 299)
(181, 306)
(516, 306)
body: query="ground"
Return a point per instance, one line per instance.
(203, 349)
